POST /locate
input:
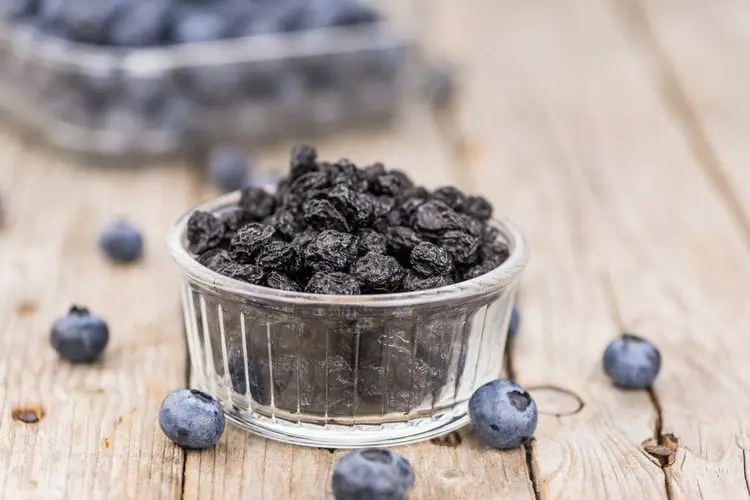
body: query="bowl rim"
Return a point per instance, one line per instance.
(486, 284)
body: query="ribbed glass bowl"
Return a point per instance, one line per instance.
(345, 371)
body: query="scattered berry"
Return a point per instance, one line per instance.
(192, 419)
(79, 337)
(632, 362)
(121, 241)
(229, 169)
(372, 474)
(503, 414)
(204, 232)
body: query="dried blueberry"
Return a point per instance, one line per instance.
(437, 217)
(249, 240)
(333, 283)
(331, 251)
(452, 197)
(462, 247)
(372, 172)
(355, 206)
(401, 240)
(413, 282)
(372, 241)
(215, 259)
(139, 24)
(392, 183)
(478, 207)
(321, 214)
(378, 273)
(244, 272)
(303, 160)
(287, 225)
(204, 232)
(302, 239)
(257, 202)
(198, 25)
(279, 256)
(430, 260)
(233, 220)
(281, 281)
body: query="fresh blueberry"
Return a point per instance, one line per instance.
(515, 323)
(372, 474)
(79, 337)
(192, 419)
(632, 362)
(121, 241)
(503, 414)
(229, 168)
(341, 13)
(139, 24)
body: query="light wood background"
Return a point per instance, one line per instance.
(614, 132)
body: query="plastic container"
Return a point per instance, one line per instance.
(115, 102)
(345, 371)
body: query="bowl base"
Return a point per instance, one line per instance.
(340, 436)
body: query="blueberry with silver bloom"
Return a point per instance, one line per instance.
(79, 337)
(372, 474)
(503, 414)
(229, 168)
(632, 362)
(192, 419)
(121, 241)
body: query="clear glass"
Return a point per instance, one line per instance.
(112, 102)
(345, 371)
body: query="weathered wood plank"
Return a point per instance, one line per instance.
(99, 437)
(248, 466)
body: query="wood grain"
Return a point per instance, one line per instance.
(574, 130)
(99, 436)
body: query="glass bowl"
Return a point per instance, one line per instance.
(345, 371)
(109, 102)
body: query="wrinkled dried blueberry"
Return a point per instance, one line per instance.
(378, 273)
(204, 232)
(321, 214)
(401, 240)
(356, 207)
(249, 240)
(331, 251)
(244, 272)
(452, 197)
(372, 172)
(462, 247)
(139, 24)
(430, 260)
(478, 207)
(333, 283)
(302, 239)
(215, 259)
(300, 189)
(392, 183)
(281, 281)
(372, 241)
(303, 160)
(435, 216)
(233, 220)
(257, 202)
(414, 282)
(287, 225)
(279, 256)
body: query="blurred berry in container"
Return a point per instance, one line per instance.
(153, 77)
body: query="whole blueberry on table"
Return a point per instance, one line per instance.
(632, 362)
(229, 168)
(191, 418)
(121, 241)
(503, 414)
(79, 337)
(515, 322)
(372, 474)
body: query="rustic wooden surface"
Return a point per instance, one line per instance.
(612, 132)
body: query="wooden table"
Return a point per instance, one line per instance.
(614, 132)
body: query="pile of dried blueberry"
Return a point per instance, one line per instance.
(140, 23)
(335, 228)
